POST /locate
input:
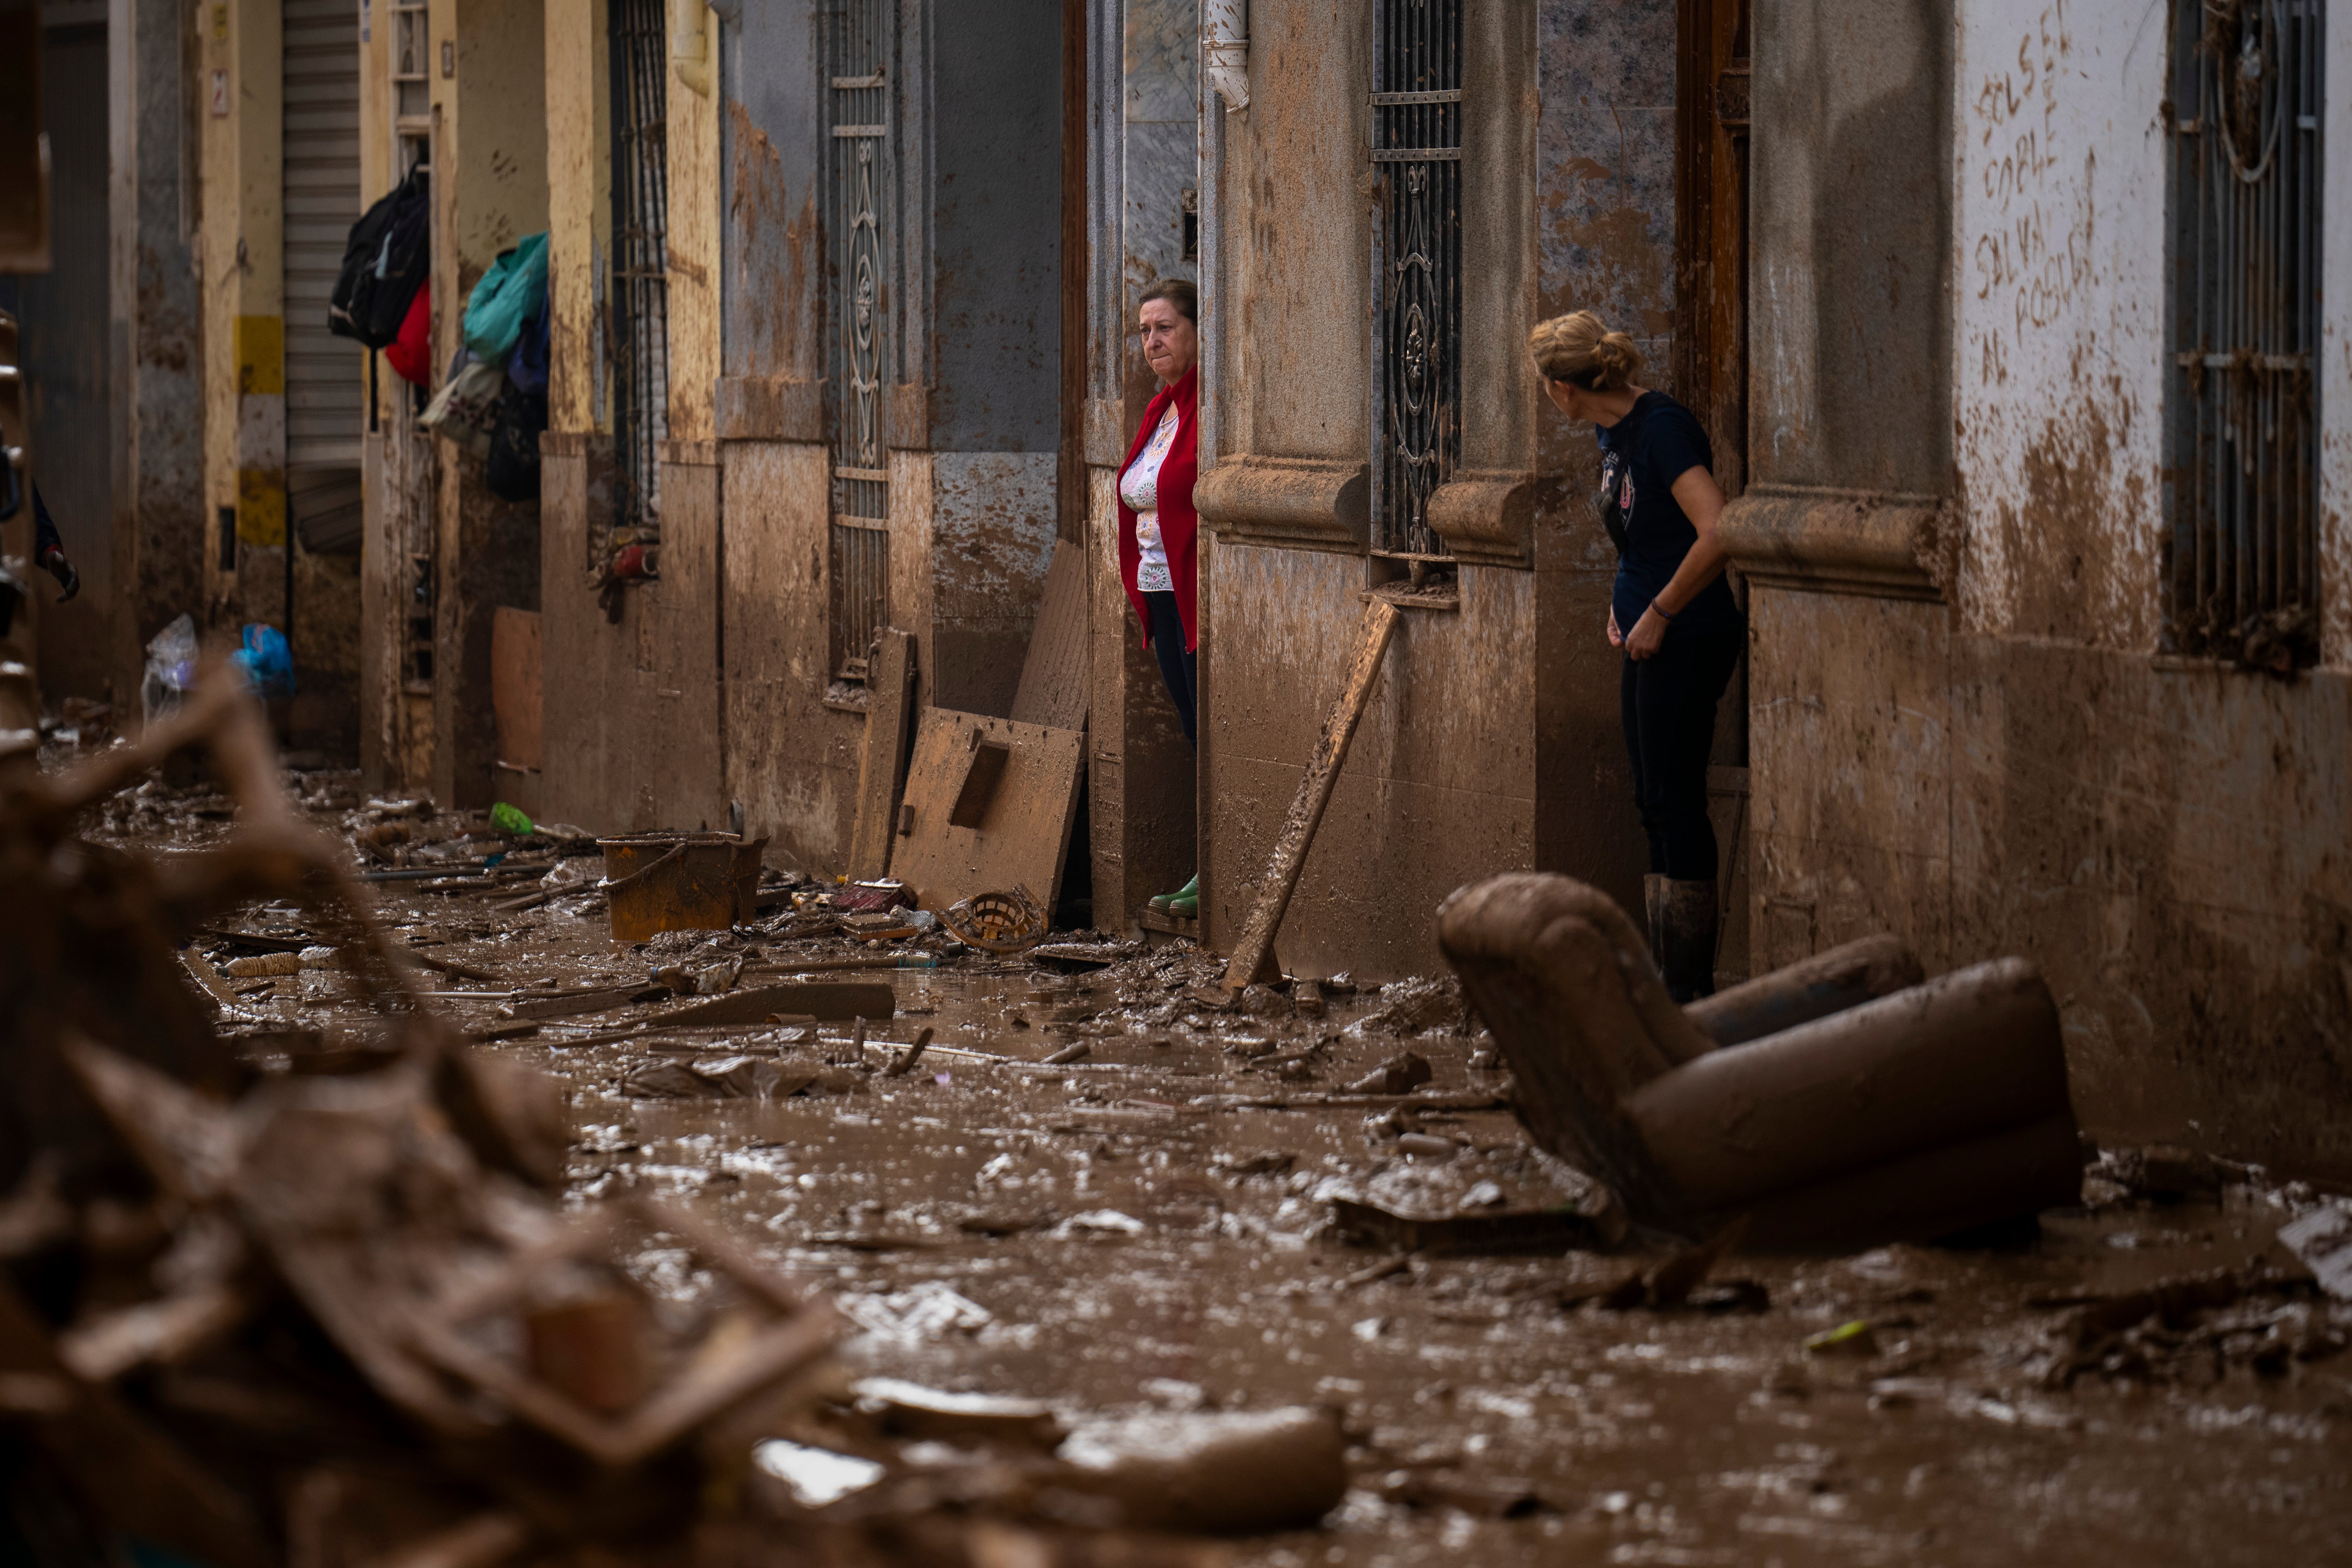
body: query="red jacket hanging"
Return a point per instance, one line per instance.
(1180, 525)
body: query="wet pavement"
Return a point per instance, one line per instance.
(1088, 1234)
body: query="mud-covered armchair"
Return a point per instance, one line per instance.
(1839, 1103)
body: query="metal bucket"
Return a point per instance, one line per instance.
(679, 881)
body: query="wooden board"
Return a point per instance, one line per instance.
(830, 1000)
(1254, 954)
(890, 698)
(1024, 831)
(1055, 675)
(515, 684)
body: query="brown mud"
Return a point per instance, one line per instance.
(1088, 1234)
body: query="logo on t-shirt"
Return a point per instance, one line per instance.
(1617, 473)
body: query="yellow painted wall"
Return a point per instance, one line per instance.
(241, 247)
(580, 210)
(693, 263)
(489, 142)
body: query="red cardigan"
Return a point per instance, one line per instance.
(1180, 525)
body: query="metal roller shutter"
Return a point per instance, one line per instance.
(325, 390)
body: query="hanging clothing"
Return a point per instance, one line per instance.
(1177, 525)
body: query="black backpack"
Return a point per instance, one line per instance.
(387, 259)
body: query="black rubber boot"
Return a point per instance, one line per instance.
(1684, 922)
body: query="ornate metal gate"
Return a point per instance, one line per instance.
(2242, 573)
(640, 57)
(860, 202)
(1417, 118)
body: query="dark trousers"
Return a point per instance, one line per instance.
(1668, 700)
(1180, 668)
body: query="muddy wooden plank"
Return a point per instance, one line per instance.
(1053, 677)
(1256, 948)
(890, 695)
(827, 1000)
(1021, 835)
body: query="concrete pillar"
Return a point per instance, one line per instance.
(244, 378)
(489, 191)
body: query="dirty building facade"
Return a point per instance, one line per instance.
(2048, 445)
(897, 373)
(841, 307)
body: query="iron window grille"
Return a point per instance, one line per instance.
(1417, 152)
(2240, 572)
(860, 202)
(640, 283)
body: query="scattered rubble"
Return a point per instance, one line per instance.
(1062, 1293)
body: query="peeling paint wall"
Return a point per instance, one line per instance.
(2013, 767)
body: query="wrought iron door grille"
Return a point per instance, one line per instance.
(640, 291)
(2241, 568)
(860, 202)
(1417, 150)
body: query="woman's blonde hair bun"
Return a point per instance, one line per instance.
(1579, 349)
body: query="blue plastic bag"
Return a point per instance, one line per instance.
(505, 301)
(266, 661)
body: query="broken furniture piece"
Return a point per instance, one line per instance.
(1859, 1119)
(988, 806)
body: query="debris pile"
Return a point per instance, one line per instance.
(337, 1312)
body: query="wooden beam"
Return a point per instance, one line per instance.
(1256, 949)
(889, 722)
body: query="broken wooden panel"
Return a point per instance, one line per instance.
(1054, 674)
(890, 720)
(1021, 835)
(515, 684)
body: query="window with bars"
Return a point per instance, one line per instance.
(2241, 574)
(1417, 152)
(640, 283)
(859, 201)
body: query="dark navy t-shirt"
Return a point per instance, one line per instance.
(1642, 456)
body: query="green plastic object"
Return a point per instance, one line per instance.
(918, 961)
(506, 819)
(509, 295)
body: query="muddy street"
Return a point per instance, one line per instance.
(1179, 1211)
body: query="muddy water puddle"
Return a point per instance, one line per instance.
(1085, 1233)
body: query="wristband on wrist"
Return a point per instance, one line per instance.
(1661, 610)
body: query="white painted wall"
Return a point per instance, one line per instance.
(2058, 338)
(2058, 365)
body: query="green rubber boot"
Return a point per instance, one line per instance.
(1159, 902)
(1184, 904)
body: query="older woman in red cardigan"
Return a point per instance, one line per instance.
(1158, 529)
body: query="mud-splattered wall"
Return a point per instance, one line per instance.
(1962, 728)
(1492, 739)
(994, 337)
